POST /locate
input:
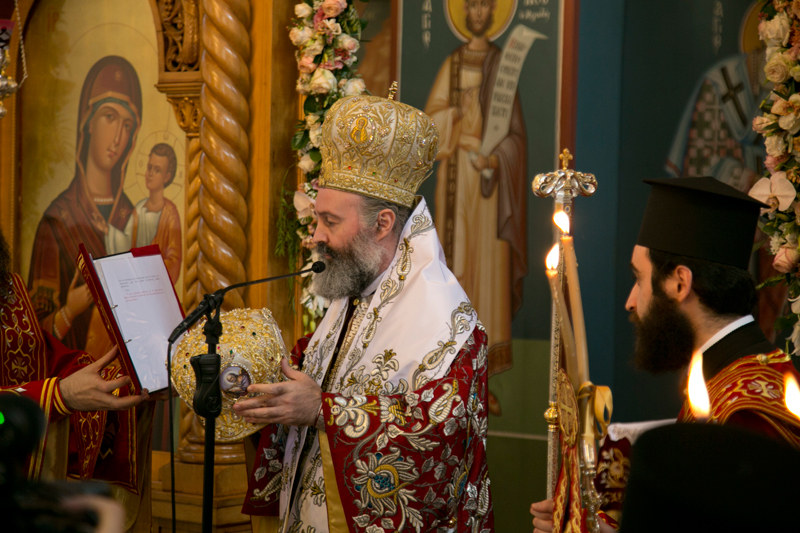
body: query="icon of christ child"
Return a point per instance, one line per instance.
(235, 383)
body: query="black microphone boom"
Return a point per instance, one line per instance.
(204, 306)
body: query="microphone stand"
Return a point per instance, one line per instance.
(207, 401)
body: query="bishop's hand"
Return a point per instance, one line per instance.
(295, 402)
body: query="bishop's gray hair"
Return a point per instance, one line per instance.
(371, 208)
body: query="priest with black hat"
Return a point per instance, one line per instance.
(692, 292)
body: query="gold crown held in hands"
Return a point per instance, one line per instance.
(377, 147)
(250, 349)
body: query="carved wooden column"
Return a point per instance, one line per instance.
(204, 48)
(225, 146)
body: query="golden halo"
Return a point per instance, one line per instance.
(748, 32)
(457, 18)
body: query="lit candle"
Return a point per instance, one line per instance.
(791, 394)
(571, 271)
(698, 393)
(567, 337)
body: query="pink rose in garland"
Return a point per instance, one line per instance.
(348, 43)
(786, 259)
(760, 124)
(306, 64)
(772, 162)
(333, 8)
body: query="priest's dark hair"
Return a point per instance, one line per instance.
(725, 290)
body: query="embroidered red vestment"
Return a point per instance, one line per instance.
(32, 361)
(412, 461)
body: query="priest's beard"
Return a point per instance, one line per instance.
(664, 336)
(350, 270)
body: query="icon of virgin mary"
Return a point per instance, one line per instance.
(93, 209)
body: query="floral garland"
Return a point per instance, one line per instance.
(327, 35)
(780, 125)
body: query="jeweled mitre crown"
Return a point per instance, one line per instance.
(377, 147)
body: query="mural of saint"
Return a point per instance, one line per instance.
(93, 210)
(481, 201)
(715, 137)
(155, 219)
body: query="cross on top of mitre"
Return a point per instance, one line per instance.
(564, 181)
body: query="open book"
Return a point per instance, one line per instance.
(139, 306)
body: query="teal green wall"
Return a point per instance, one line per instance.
(517, 444)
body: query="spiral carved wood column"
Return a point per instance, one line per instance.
(192, 292)
(225, 146)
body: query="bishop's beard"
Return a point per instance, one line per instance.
(350, 270)
(664, 336)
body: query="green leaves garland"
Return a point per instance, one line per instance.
(327, 34)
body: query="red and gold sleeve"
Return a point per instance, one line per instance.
(46, 393)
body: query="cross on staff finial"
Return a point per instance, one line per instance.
(564, 182)
(565, 158)
(392, 90)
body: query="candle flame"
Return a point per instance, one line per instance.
(552, 258)
(561, 220)
(698, 393)
(791, 394)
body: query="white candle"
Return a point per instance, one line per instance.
(567, 337)
(571, 272)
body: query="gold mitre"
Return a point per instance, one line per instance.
(377, 147)
(250, 350)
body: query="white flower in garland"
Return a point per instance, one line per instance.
(776, 145)
(775, 32)
(306, 164)
(314, 134)
(303, 10)
(776, 191)
(323, 81)
(300, 35)
(327, 35)
(354, 87)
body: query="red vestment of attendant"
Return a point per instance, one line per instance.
(749, 393)
(31, 363)
(745, 379)
(440, 475)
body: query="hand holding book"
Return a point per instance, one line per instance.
(85, 390)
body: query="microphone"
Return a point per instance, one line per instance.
(204, 306)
